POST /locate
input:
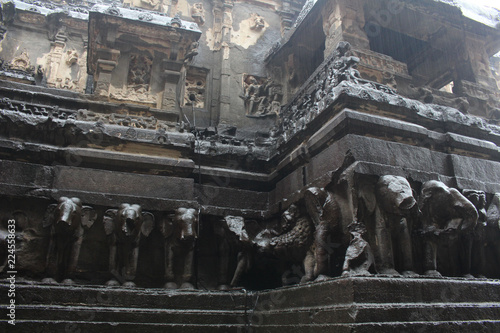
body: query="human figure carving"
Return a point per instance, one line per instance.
(325, 213)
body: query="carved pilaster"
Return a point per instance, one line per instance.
(54, 59)
(227, 24)
(172, 72)
(106, 63)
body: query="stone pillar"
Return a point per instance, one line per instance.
(286, 15)
(225, 78)
(344, 21)
(474, 63)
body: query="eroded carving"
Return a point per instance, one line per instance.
(22, 63)
(445, 211)
(325, 212)
(233, 239)
(293, 244)
(198, 13)
(486, 247)
(139, 72)
(257, 22)
(359, 260)
(389, 206)
(262, 96)
(67, 220)
(125, 227)
(180, 231)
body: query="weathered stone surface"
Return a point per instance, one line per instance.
(77, 180)
(317, 146)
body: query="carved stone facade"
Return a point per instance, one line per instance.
(249, 145)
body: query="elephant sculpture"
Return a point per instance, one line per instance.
(390, 207)
(233, 238)
(67, 220)
(444, 212)
(180, 231)
(125, 227)
(487, 234)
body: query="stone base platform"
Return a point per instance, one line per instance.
(355, 304)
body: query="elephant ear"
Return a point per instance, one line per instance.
(148, 223)
(493, 213)
(49, 216)
(89, 215)
(367, 194)
(109, 221)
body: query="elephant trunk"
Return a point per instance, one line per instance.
(64, 218)
(470, 220)
(129, 226)
(405, 203)
(188, 233)
(466, 210)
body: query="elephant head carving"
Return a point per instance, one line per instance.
(67, 220)
(445, 210)
(180, 231)
(125, 227)
(389, 206)
(486, 248)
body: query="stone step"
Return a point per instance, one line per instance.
(480, 326)
(382, 290)
(76, 295)
(37, 326)
(369, 312)
(129, 315)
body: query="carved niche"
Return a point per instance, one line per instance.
(195, 88)
(262, 96)
(138, 80)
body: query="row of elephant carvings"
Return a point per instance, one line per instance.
(390, 224)
(125, 227)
